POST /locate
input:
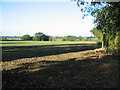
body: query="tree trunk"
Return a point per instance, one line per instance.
(104, 40)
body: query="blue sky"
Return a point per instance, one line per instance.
(51, 18)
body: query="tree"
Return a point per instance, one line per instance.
(108, 23)
(106, 19)
(40, 37)
(4, 38)
(69, 38)
(98, 33)
(44, 37)
(117, 40)
(64, 38)
(26, 37)
(50, 38)
(37, 36)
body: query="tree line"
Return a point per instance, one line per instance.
(42, 37)
(39, 36)
(107, 22)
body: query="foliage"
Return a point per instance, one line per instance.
(75, 38)
(69, 38)
(40, 37)
(115, 49)
(106, 20)
(26, 37)
(98, 33)
(37, 36)
(117, 40)
(50, 38)
(44, 38)
(4, 38)
(108, 23)
(9, 38)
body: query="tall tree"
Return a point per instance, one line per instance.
(40, 37)
(37, 36)
(106, 19)
(26, 37)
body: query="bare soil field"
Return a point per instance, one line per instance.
(71, 69)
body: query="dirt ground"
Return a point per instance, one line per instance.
(96, 69)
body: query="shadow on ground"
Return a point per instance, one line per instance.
(88, 73)
(17, 52)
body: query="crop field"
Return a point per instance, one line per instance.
(53, 64)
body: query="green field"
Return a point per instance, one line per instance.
(37, 43)
(12, 50)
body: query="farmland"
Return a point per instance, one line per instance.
(12, 50)
(53, 64)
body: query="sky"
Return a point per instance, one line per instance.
(51, 18)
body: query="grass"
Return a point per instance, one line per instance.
(12, 50)
(37, 43)
(57, 65)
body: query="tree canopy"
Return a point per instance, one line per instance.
(107, 27)
(40, 37)
(26, 37)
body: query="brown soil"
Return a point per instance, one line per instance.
(96, 69)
